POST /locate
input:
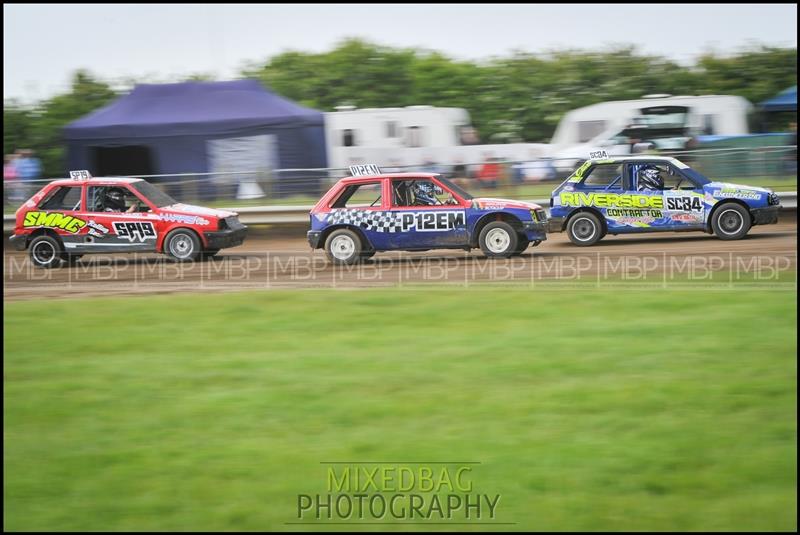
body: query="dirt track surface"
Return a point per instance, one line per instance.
(287, 262)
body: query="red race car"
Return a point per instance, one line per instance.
(71, 217)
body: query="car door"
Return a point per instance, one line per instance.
(424, 224)
(363, 205)
(114, 228)
(681, 199)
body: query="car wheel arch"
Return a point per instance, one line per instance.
(593, 211)
(162, 237)
(43, 232)
(485, 219)
(365, 243)
(719, 204)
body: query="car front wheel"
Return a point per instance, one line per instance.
(343, 246)
(584, 229)
(498, 240)
(731, 221)
(182, 245)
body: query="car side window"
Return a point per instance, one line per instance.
(675, 180)
(420, 193)
(113, 198)
(63, 198)
(605, 176)
(366, 195)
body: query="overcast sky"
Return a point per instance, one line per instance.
(44, 44)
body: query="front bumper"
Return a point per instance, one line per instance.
(313, 238)
(765, 216)
(18, 242)
(535, 230)
(226, 238)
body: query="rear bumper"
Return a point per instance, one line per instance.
(313, 238)
(225, 238)
(765, 216)
(18, 242)
(555, 224)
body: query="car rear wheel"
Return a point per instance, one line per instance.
(584, 229)
(731, 221)
(343, 246)
(498, 239)
(45, 252)
(182, 245)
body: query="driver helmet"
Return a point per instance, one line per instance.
(424, 193)
(115, 199)
(650, 178)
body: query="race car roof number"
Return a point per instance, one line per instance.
(366, 169)
(598, 155)
(80, 175)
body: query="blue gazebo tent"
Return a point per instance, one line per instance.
(784, 101)
(198, 127)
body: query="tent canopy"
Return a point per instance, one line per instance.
(784, 101)
(191, 127)
(192, 108)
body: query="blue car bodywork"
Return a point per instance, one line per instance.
(394, 222)
(608, 188)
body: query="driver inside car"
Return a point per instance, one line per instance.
(425, 194)
(114, 201)
(650, 179)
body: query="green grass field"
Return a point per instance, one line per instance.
(588, 410)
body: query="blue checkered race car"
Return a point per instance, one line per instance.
(651, 193)
(374, 211)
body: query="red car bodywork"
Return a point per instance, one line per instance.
(82, 228)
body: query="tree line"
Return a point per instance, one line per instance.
(519, 97)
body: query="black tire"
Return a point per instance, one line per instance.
(584, 229)
(182, 245)
(731, 221)
(343, 247)
(522, 244)
(498, 239)
(45, 252)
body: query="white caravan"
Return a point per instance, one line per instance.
(413, 136)
(668, 122)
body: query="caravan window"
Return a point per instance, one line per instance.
(391, 129)
(589, 129)
(414, 136)
(348, 138)
(708, 125)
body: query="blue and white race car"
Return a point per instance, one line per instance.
(373, 211)
(620, 195)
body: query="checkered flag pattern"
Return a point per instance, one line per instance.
(378, 221)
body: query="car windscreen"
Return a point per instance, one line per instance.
(153, 194)
(453, 187)
(696, 177)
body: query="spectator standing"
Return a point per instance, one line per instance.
(489, 173)
(10, 179)
(29, 169)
